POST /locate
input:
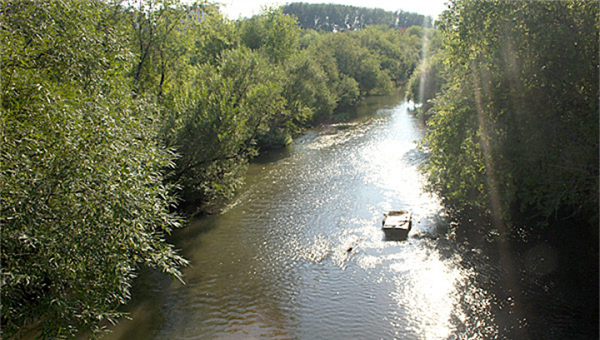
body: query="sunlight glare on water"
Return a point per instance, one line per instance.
(427, 289)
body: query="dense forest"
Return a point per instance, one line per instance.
(332, 17)
(115, 115)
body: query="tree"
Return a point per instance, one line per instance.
(427, 80)
(212, 34)
(161, 33)
(396, 51)
(339, 18)
(516, 129)
(307, 90)
(272, 32)
(358, 62)
(82, 199)
(215, 133)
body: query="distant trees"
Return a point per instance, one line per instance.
(515, 128)
(368, 62)
(339, 18)
(266, 85)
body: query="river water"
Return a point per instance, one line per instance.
(299, 253)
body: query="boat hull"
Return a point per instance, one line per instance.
(396, 234)
(397, 224)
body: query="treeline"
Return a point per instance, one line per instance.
(511, 89)
(113, 114)
(339, 18)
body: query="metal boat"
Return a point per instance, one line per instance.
(396, 224)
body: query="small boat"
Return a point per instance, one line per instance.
(397, 224)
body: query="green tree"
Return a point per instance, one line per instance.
(516, 129)
(82, 199)
(168, 37)
(397, 52)
(358, 62)
(215, 134)
(212, 34)
(339, 18)
(272, 32)
(307, 89)
(428, 79)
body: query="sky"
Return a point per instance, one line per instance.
(235, 9)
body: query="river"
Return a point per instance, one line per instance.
(299, 253)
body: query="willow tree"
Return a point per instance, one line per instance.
(215, 133)
(83, 204)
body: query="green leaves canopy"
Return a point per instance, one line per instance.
(518, 121)
(82, 204)
(110, 112)
(216, 133)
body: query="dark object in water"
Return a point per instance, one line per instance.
(396, 224)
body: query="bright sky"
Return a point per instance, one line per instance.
(235, 9)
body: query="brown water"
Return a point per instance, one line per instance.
(275, 264)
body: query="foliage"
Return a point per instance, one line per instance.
(212, 34)
(157, 42)
(307, 81)
(168, 38)
(271, 32)
(427, 80)
(216, 133)
(307, 89)
(82, 200)
(368, 58)
(516, 128)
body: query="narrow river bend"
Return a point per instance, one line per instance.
(275, 264)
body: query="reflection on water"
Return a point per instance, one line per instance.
(299, 254)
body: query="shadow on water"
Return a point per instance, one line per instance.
(273, 155)
(539, 288)
(150, 305)
(415, 157)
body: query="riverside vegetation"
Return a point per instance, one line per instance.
(510, 93)
(116, 114)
